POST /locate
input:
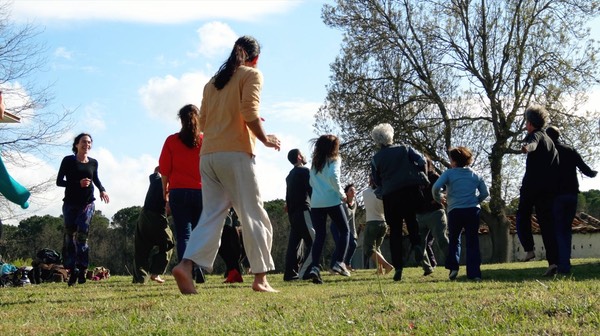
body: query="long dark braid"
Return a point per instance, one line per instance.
(245, 49)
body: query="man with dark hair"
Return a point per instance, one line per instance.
(297, 204)
(538, 188)
(565, 203)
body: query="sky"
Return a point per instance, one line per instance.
(126, 67)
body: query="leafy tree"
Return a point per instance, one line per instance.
(9, 246)
(100, 240)
(21, 57)
(281, 231)
(461, 72)
(42, 232)
(591, 203)
(122, 231)
(31, 235)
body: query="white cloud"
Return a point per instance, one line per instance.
(93, 120)
(164, 96)
(216, 38)
(62, 52)
(125, 179)
(37, 172)
(166, 12)
(293, 111)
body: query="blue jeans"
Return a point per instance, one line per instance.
(467, 218)
(400, 206)
(186, 207)
(319, 221)
(76, 252)
(565, 207)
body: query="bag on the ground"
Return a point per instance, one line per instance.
(48, 256)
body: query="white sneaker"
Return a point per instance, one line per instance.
(340, 269)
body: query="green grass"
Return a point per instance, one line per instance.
(512, 299)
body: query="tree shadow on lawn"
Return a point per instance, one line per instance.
(580, 271)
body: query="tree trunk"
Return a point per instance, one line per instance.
(497, 222)
(499, 232)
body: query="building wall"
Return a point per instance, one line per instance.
(585, 245)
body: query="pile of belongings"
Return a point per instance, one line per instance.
(11, 275)
(98, 273)
(47, 267)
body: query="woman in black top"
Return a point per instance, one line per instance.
(78, 173)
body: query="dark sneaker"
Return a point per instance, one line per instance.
(81, 277)
(315, 275)
(453, 274)
(73, 277)
(340, 269)
(398, 274)
(551, 271)
(427, 272)
(307, 275)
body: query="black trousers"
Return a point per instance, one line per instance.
(400, 207)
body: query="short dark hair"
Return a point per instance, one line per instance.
(462, 156)
(553, 133)
(537, 116)
(348, 186)
(293, 156)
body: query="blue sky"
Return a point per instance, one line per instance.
(126, 67)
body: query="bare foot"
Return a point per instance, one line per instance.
(261, 284)
(157, 278)
(183, 275)
(263, 287)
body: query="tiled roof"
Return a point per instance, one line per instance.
(582, 223)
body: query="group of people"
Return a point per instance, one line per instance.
(404, 187)
(206, 175)
(198, 193)
(550, 186)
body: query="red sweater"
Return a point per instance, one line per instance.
(180, 164)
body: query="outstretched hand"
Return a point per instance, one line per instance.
(273, 142)
(104, 197)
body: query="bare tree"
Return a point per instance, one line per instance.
(22, 56)
(461, 72)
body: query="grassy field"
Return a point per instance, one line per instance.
(512, 299)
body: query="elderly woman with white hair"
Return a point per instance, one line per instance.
(398, 171)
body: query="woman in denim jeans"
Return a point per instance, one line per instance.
(180, 169)
(78, 173)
